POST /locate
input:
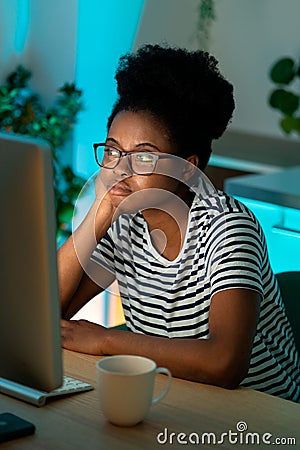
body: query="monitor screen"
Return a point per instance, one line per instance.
(30, 343)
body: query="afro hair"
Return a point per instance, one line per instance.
(183, 89)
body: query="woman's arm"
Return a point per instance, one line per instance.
(80, 279)
(222, 360)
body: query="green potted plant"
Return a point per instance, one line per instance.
(285, 98)
(206, 14)
(22, 112)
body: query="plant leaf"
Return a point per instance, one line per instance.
(274, 99)
(286, 101)
(290, 123)
(297, 124)
(65, 212)
(22, 112)
(287, 124)
(283, 71)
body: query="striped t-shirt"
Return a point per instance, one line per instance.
(223, 248)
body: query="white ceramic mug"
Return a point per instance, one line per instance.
(125, 387)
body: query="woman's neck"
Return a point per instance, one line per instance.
(168, 224)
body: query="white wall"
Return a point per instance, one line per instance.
(247, 37)
(171, 21)
(52, 45)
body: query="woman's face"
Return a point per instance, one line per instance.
(140, 132)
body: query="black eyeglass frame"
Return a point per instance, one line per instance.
(122, 153)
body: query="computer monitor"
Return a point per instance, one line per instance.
(30, 342)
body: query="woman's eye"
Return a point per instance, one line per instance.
(144, 158)
(112, 153)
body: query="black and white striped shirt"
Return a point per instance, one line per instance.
(223, 248)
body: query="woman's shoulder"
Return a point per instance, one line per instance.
(220, 203)
(221, 212)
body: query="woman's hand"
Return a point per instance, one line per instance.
(83, 336)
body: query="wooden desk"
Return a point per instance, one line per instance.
(77, 423)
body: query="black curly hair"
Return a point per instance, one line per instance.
(182, 89)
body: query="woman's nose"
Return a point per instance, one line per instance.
(122, 169)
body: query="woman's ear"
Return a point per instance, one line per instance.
(191, 171)
(194, 159)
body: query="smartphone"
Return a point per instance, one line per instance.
(12, 427)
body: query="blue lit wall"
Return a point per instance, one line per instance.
(22, 25)
(106, 30)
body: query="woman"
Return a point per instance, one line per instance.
(191, 263)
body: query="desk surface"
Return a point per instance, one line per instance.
(77, 423)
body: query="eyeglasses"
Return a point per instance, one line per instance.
(140, 163)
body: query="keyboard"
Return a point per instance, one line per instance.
(35, 397)
(70, 386)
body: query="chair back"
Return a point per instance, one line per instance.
(289, 284)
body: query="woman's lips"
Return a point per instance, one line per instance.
(119, 189)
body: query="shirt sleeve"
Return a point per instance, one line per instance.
(104, 252)
(236, 253)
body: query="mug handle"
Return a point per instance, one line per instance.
(163, 393)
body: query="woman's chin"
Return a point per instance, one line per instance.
(117, 199)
